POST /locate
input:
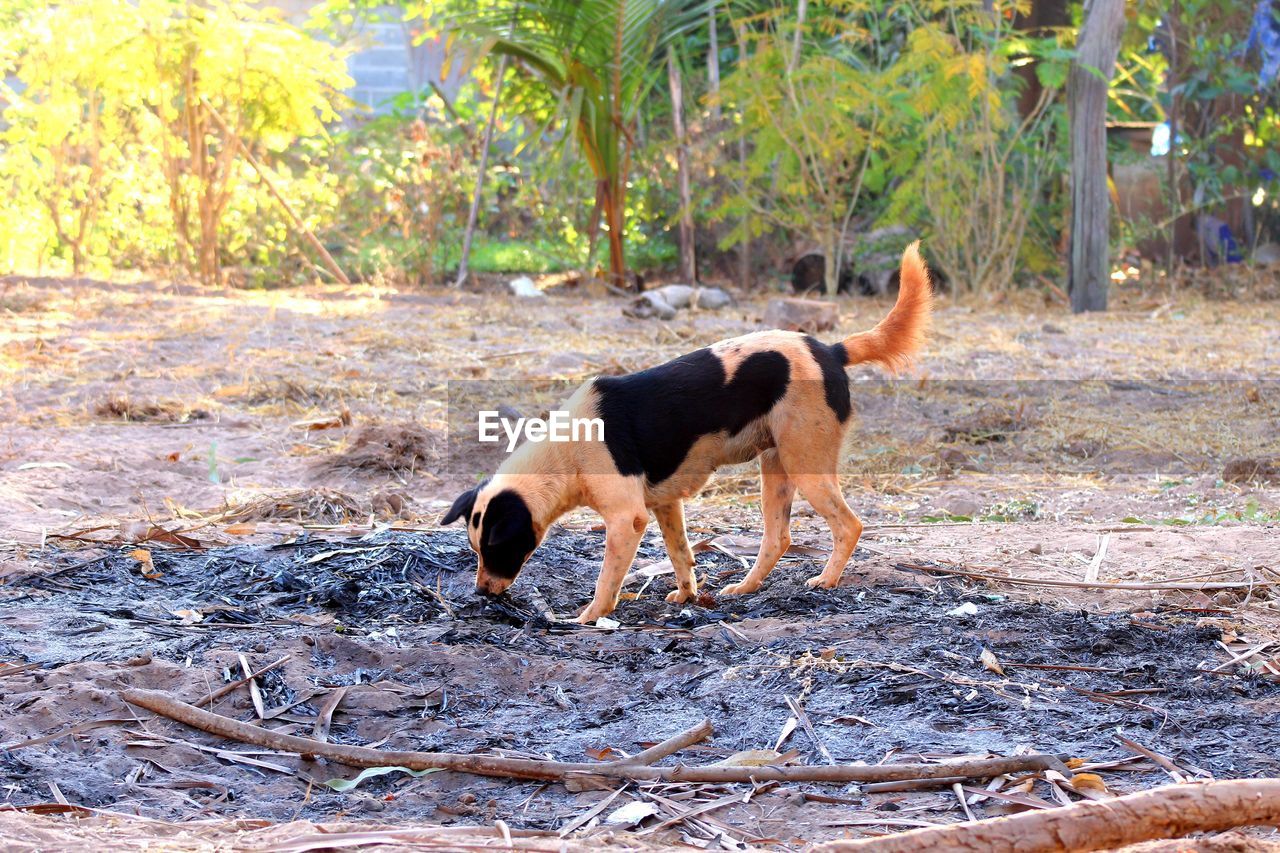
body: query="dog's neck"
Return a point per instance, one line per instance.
(543, 474)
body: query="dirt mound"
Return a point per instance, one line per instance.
(396, 448)
(1252, 470)
(316, 505)
(122, 407)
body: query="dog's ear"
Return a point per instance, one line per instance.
(461, 507)
(508, 521)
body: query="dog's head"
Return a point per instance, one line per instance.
(501, 530)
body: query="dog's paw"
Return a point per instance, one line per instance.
(679, 596)
(819, 582)
(737, 589)
(591, 614)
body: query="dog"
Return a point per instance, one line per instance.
(781, 397)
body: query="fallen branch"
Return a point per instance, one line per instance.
(299, 226)
(670, 746)
(1169, 812)
(524, 768)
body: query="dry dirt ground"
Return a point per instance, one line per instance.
(270, 428)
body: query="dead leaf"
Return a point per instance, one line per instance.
(1089, 781)
(188, 617)
(757, 758)
(602, 753)
(240, 529)
(990, 662)
(148, 568)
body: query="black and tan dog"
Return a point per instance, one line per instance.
(780, 396)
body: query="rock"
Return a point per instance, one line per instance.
(1050, 329)
(1267, 253)
(524, 288)
(955, 458)
(649, 305)
(960, 506)
(712, 298)
(801, 315)
(675, 295)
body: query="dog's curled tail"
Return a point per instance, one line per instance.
(898, 337)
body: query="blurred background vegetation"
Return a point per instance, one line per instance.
(156, 135)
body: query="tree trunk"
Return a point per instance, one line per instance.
(744, 248)
(688, 261)
(1043, 17)
(713, 65)
(473, 214)
(614, 216)
(1099, 45)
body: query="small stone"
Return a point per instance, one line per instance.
(801, 315)
(649, 305)
(524, 288)
(712, 298)
(1050, 329)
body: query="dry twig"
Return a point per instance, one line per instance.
(523, 768)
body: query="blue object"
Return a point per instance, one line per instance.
(1264, 35)
(1160, 139)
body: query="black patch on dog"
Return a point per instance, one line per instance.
(506, 537)
(461, 507)
(652, 418)
(475, 519)
(835, 384)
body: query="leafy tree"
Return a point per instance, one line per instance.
(601, 59)
(109, 120)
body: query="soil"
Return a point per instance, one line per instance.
(258, 446)
(886, 666)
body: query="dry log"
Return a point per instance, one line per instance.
(1169, 812)
(523, 768)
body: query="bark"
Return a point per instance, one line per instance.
(474, 213)
(688, 260)
(744, 248)
(1099, 45)
(611, 199)
(1043, 17)
(633, 768)
(1169, 812)
(713, 65)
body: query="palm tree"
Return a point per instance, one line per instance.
(601, 58)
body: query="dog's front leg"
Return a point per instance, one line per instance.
(623, 533)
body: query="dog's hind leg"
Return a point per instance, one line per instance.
(822, 491)
(777, 491)
(671, 521)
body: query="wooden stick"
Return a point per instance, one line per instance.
(235, 140)
(523, 768)
(227, 688)
(670, 746)
(1168, 812)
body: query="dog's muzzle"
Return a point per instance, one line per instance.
(487, 584)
